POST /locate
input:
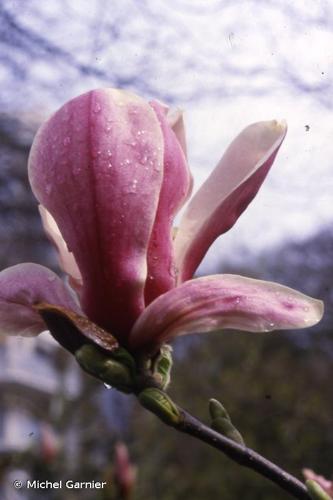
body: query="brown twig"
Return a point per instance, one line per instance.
(241, 454)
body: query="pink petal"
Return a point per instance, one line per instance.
(124, 471)
(226, 193)
(97, 167)
(161, 272)
(21, 287)
(66, 259)
(223, 301)
(321, 480)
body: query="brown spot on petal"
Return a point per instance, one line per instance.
(72, 330)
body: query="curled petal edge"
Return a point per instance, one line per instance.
(66, 258)
(21, 288)
(227, 192)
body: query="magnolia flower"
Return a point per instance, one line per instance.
(110, 172)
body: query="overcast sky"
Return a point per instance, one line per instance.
(227, 64)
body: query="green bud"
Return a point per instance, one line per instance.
(161, 405)
(91, 359)
(221, 422)
(120, 354)
(217, 410)
(225, 427)
(164, 365)
(315, 491)
(117, 375)
(104, 367)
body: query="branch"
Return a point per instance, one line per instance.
(161, 405)
(149, 389)
(242, 455)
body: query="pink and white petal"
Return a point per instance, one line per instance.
(160, 259)
(176, 122)
(223, 301)
(97, 167)
(66, 259)
(229, 189)
(23, 286)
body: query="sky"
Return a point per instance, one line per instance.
(226, 64)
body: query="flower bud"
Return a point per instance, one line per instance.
(161, 405)
(221, 422)
(105, 368)
(163, 366)
(226, 428)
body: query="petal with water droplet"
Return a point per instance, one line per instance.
(109, 241)
(223, 301)
(176, 188)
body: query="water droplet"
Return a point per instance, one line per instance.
(96, 153)
(271, 325)
(107, 386)
(67, 141)
(97, 108)
(48, 188)
(133, 186)
(109, 153)
(51, 278)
